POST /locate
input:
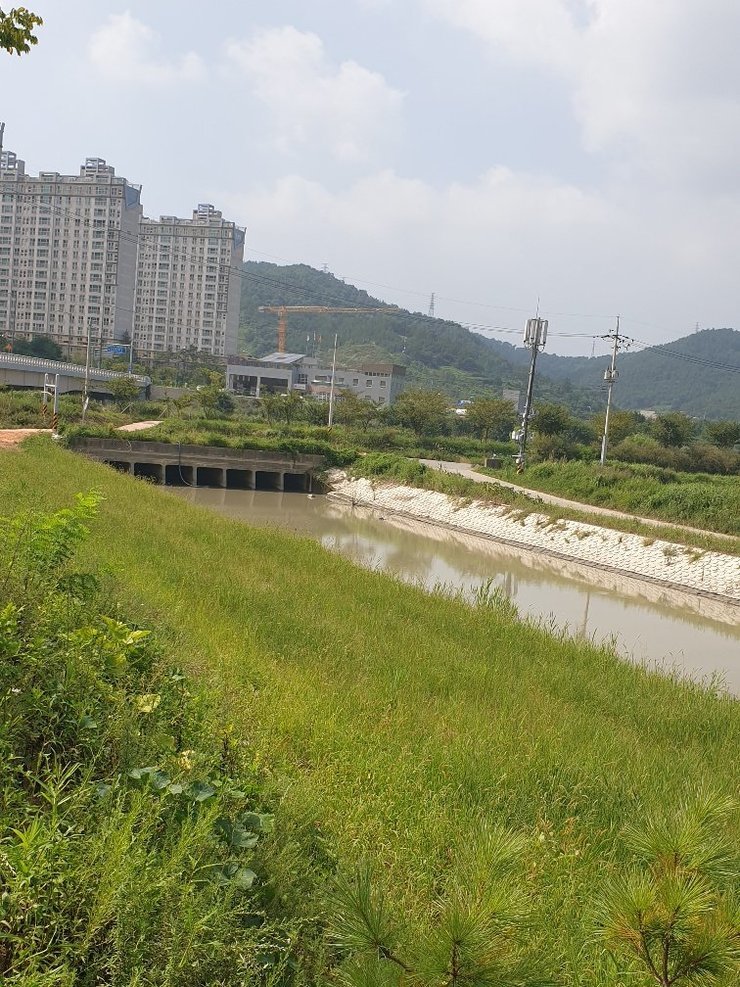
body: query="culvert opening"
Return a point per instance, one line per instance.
(296, 482)
(210, 476)
(238, 479)
(149, 471)
(178, 476)
(117, 465)
(266, 480)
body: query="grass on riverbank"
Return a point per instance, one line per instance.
(397, 469)
(699, 500)
(396, 726)
(133, 848)
(22, 409)
(340, 444)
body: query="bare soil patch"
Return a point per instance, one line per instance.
(12, 437)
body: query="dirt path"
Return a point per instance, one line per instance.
(11, 437)
(466, 470)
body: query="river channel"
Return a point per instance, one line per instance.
(648, 623)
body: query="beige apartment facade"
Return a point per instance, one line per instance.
(68, 247)
(188, 284)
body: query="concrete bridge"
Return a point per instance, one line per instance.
(29, 371)
(178, 465)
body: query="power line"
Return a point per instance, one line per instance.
(660, 349)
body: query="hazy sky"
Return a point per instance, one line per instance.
(492, 151)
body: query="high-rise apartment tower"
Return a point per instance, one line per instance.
(188, 284)
(68, 246)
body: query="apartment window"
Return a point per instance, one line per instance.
(368, 383)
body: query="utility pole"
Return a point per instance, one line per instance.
(13, 310)
(51, 387)
(333, 376)
(535, 337)
(85, 397)
(610, 376)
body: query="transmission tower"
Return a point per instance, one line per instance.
(431, 306)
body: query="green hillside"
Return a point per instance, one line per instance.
(438, 353)
(686, 375)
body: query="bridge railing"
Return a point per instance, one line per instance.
(12, 361)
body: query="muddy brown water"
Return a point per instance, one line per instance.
(648, 623)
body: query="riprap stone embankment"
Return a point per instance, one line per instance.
(689, 569)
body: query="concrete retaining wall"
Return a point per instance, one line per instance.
(170, 463)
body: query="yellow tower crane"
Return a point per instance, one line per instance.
(282, 313)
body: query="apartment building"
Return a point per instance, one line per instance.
(188, 284)
(68, 246)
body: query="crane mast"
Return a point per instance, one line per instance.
(282, 313)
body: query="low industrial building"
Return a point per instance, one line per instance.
(280, 373)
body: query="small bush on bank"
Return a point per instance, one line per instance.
(391, 466)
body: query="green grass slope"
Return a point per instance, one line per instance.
(399, 724)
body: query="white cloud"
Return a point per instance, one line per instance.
(347, 108)
(504, 239)
(660, 84)
(654, 85)
(504, 230)
(533, 31)
(122, 50)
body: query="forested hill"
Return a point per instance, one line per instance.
(439, 354)
(689, 374)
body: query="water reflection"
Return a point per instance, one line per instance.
(651, 623)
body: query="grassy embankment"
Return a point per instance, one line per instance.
(700, 500)
(253, 432)
(397, 469)
(22, 409)
(391, 455)
(130, 819)
(394, 725)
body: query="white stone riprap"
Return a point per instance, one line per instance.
(690, 569)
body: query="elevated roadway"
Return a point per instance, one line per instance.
(28, 372)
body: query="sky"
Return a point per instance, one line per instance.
(583, 155)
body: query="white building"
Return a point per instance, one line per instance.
(68, 248)
(188, 284)
(279, 373)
